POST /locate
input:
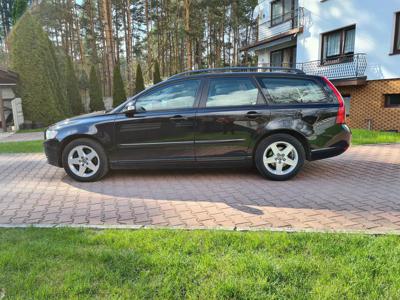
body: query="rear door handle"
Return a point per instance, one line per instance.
(178, 118)
(253, 114)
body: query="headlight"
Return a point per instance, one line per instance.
(50, 134)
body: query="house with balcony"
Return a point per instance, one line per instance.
(355, 43)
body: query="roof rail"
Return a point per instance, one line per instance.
(238, 69)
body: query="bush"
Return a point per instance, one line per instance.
(33, 58)
(139, 84)
(95, 93)
(119, 94)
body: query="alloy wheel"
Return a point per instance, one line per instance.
(280, 158)
(83, 161)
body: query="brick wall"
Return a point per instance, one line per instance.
(367, 102)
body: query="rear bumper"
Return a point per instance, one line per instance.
(53, 153)
(342, 143)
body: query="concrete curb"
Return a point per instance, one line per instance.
(240, 229)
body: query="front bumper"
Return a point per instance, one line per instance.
(53, 152)
(341, 144)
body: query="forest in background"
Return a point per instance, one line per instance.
(115, 38)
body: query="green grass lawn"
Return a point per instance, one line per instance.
(31, 130)
(175, 264)
(362, 136)
(21, 147)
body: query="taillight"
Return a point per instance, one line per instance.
(341, 115)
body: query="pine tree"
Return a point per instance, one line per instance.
(156, 74)
(61, 58)
(33, 58)
(139, 83)
(83, 81)
(18, 10)
(72, 88)
(95, 92)
(119, 94)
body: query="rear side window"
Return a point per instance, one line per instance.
(232, 92)
(289, 90)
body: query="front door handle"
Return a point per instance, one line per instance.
(178, 118)
(253, 114)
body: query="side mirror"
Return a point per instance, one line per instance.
(130, 109)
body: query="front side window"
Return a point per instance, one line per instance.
(174, 96)
(396, 48)
(392, 100)
(338, 44)
(293, 91)
(232, 92)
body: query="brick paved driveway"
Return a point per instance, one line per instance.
(359, 190)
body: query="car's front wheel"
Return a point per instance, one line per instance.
(279, 157)
(85, 160)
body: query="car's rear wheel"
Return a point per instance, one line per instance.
(279, 157)
(85, 160)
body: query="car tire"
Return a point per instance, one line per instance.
(85, 160)
(279, 156)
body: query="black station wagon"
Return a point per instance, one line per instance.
(273, 118)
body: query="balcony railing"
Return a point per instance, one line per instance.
(348, 66)
(275, 26)
(282, 65)
(344, 67)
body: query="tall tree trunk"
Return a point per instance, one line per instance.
(128, 44)
(109, 50)
(188, 41)
(79, 39)
(235, 17)
(148, 34)
(105, 68)
(92, 40)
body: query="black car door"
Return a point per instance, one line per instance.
(162, 128)
(232, 110)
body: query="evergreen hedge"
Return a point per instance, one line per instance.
(119, 94)
(33, 57)
(95, 92)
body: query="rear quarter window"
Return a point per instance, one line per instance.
(293, 91)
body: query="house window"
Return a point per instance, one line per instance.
(283, 58)
(277, 58)
(396, 48)
(338, 45)
(392, 100)
(281, 11)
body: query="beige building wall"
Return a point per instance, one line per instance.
(367, 105)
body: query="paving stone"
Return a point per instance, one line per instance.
(359, 190)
